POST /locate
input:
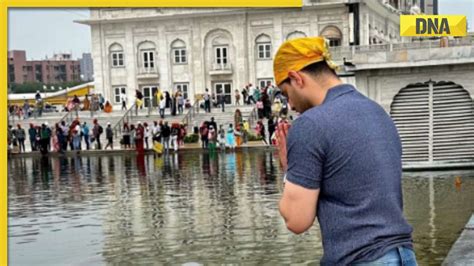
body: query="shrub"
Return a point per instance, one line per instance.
(193, 138)
(252, 137)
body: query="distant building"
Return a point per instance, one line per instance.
(60, 68)
(87, 67)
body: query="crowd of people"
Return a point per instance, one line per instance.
(160, 102)
(93, 102)
(78, 136)
(269, 102)
(58, 138)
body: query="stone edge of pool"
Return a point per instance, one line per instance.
(255, 145)
(462, 252)
(194, 148)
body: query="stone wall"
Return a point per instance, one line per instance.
(382, 85)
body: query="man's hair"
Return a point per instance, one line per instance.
(317, 70)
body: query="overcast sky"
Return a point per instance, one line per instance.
(43, 32)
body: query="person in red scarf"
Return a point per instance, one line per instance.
(140, 134)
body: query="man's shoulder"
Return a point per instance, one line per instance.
(307, 125)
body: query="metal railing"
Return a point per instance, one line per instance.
(226, 66)
(147, 70)
(71, 115)
(126, 118)
(188, 118)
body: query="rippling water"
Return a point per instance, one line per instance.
(191, 208)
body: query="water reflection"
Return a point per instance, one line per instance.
(206, 208)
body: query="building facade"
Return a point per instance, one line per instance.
(87, 67)
(58, 69)
(217, 48)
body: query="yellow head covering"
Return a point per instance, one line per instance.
(298, 53)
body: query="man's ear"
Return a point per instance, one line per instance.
(296, 80)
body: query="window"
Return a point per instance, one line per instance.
(221, 55)
(148, 59)
(178, 48)
(147, 55)
(264, 47)
(117, 59)
(179, 56)
(264, 51)
(264, 82)
(183, 87)
(295, 34)
(224, 89)
(116, 55)
(118, 91)
(334, 43)
(333, 34)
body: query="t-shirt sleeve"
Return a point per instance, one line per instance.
(305, 154)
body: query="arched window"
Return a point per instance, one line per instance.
(178, 51)
(147, 55)
(295, 34)
(116, 55)
(333, 34)
(264, 46)
(220, 45)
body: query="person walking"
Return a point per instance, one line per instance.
(204, 132)
(45, 138)
(26, 110)
(174, 136)
(180, 103)
(207, 101)
(97, 131)
(109, 135)
(165, 133)
(85, 135)
(76, 138)
(32, 133)
(237, 97)
(126, 136)
(162, 107)
(139, 136)
(221, 101)
(342, 159)
(21, 135)
(147, 134)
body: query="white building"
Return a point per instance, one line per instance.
(219, 48)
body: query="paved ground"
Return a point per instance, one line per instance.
(462, 252)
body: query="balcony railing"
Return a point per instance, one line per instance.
(148, 72)
(348, 52)
(219, 69)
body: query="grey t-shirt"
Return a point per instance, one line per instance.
(349, 148)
